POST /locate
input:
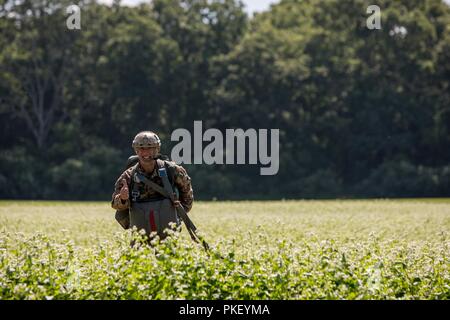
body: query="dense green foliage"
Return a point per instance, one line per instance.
(361, 113)
(260, 250)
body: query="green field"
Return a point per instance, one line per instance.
(374, 249)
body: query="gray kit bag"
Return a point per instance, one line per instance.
(153, 216)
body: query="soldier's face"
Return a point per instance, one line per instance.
(146, 154)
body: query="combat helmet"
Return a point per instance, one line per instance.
(146, 139)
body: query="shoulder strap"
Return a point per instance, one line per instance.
(162, 163)
(133, 171)
(162, 172)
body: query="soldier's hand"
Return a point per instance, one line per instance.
(124, 191)
(177, 203)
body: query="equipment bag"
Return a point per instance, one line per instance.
(153, 216)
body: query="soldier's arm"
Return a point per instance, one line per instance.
(183, 183)
(116, 202)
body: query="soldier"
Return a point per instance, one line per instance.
(149, 209)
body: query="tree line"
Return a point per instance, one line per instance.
(361, 113)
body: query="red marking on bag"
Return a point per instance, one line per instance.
(152, 221)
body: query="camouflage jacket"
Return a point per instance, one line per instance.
(180, 179)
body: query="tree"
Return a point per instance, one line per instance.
(37, 63)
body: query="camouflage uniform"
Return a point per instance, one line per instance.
(181, 181)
